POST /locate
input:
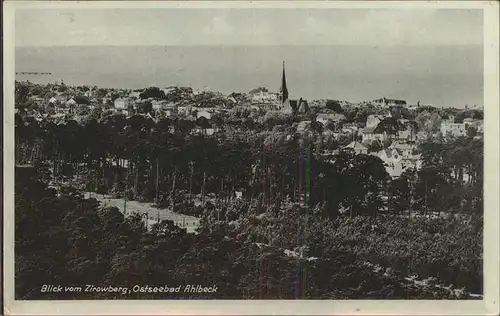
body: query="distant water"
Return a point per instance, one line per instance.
(445, 75)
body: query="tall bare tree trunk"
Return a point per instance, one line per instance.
(270, 181)
(59, 167)
(77, 171)
(71, 173)
(389, 204)
(469, 174)
(16, 157)
(32, 154)
(232, 191)
(172, 193)
(126, 190)
(222, 191)
(203, 189)
(136, 182)
(425, 209)
(103, 175)
(157, 179)
(39, 153)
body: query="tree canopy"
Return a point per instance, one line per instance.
(152, 92)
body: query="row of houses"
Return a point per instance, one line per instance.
(450, 128)
(62, 105)
(324, 118)
(371, 134)
(397, 158)
(264, 97)
(384, 102)
(125, 106)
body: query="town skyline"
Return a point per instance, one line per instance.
(361, 80)
(432, 56)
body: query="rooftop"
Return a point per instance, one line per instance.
(369, 130)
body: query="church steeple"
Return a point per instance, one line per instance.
(284, 102)
(283, 89)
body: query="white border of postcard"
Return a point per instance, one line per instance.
(488, 306)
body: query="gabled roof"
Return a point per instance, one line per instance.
(386, 101)
(387, 152)
(303, 124)
(401, 146)
(333, 116)
(356, 145)
(395, 101)
(374, 116)
(303, 106)
(369, 130)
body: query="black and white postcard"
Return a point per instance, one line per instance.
(251, 157)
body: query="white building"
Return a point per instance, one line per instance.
(369, 134)
(185, 110)
(71, 102)
(70, 105)
(404, 149)
(406, 135)
(169, 109)
(206, 131)
(160, 105)
(373, 120)
(477, 124)
(352, 127)
(157, 105)
(397, 160)
(264, 97)
(286, 107)
(204, 113)
(135, 94)
(454, 129)
(323, 118)
(392, 161)
(121, 104)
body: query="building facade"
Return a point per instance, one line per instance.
(369, 134)
(453, 129)
(121, 104)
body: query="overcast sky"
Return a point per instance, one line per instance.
(381, 27)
